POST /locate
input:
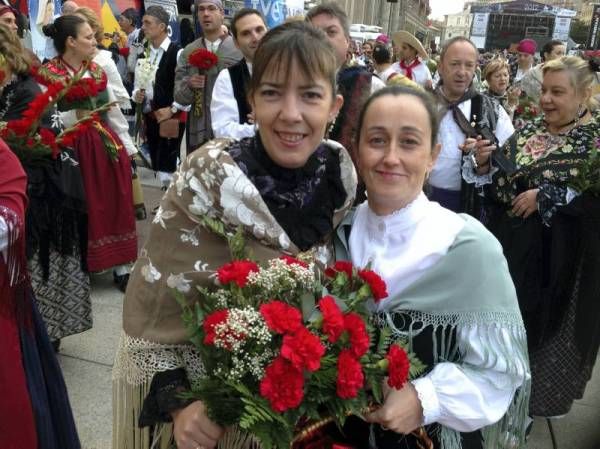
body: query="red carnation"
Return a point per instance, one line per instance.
(350, 377)
(209, 324)
(333, 319)
(341, 266)
(49, 139)
(20, 127)
(283, 385)
(377, 285)
(357, 331)
(203, 59)
(236, 271)
(124, 52)
(281, 317)
(398, 368)
(303, 349)
(293, 261)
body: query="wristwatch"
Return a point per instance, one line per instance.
(174, 110)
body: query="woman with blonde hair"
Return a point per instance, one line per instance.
(497, 76)
(550, 232)
(116, 119)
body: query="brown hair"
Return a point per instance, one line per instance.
(12, 50)
(299, 42)
(90, 17)
(494, 66)
(425, 98)
(243, 13)
(331, 9)
(579, 71)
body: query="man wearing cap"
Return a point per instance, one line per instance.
(158, 99)
(231, 114)
(465, 113)
(526, 50)
(188, 79)
(412, 58)
(355, 83)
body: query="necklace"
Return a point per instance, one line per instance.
(573, 123)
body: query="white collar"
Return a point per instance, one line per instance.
(402, 246)
(212, 44)
(164, 45)
(249, 64)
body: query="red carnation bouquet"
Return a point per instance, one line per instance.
(204, 60)
(34, 144)
(284, 349)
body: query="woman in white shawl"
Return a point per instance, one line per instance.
(450, 292)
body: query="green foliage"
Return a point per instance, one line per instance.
(588, 175)
(222, 402)
(231, 390)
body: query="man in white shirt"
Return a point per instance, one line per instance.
(157, 97)
(412, 59)
(231, 114)
(467, 114)
(188, 79)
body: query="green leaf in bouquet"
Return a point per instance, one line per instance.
(309, 306)
(224, 406)
(384, 340)
(375, 382)
(417, 367)
(237, 245)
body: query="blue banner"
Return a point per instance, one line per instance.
(273, 10)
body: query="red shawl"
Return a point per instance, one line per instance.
(17, 427)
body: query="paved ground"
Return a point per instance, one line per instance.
(87, 363)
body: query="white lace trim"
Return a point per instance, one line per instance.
(471, 177)
(138, 360)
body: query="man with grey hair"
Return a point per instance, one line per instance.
(463, 167)
(157, 98)
(355, 83)
(188, 79)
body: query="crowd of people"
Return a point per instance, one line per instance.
(457, 177)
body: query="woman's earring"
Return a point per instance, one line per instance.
(330, 127)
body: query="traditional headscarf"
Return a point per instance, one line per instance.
(528, 46)
(217, 3)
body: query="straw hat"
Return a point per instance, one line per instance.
(404, 36)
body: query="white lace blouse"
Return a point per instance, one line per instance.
(401, 247)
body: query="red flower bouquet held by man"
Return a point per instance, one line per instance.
(204, 60)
